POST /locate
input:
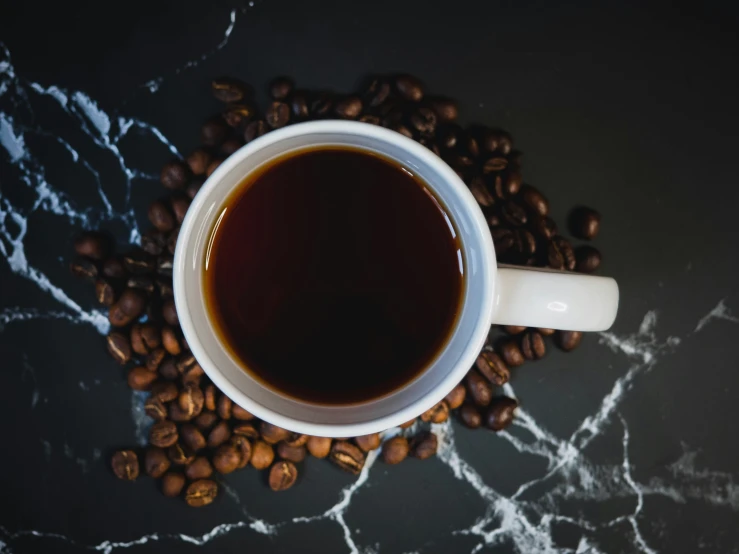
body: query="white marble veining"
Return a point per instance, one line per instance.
(524, 518)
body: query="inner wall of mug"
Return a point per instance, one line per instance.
(431, 385)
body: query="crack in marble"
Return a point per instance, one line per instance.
(721, 311)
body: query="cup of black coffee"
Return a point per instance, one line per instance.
(336, 278)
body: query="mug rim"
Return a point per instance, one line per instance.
(186, 242)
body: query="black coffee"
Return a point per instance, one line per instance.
(334, 275)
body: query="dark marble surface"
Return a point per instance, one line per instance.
(626, 445)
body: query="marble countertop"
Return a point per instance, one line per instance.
(625, 445)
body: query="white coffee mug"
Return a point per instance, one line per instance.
(492, 294)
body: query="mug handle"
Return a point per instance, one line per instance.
(547, 298)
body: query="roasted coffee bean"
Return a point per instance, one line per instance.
(119, 347)
(155, 409)
(168, 370)
(524, 244)
(164, 391)
(584, 223)
(192, 375)
(456, 396)
(205, 420)
(508, 183)
(445, 108)
(247, 430)
(237, 115)
(437, 413)
(163, 434)
(141, 282)
(371, 119)
(180, 454)
(395, 450)
(82, 268)
(495, 140)
(114, 268)
(175, 174)
(255, 129)
(243, 447)
(272, 433)
(282, 476)
(347, 456)
(125, 465)
(409, 87)
(175, 413)
(494, 164)
(503, 240)
(423, 120)
(515, 329)
(214, 132)
(299, 105)
(219, 434)
(532, 345)
(224, 407)
(511, 353)
(139, 262)
(228, 89)
(403, 130)
(348, 107)
(560, 254)
(191, 400)
(478, 388)
(170, 342)
(231, 145)
(368, 442)
(321, 105)
(377, 92)
(153, 242)
(546, 332)
(407, 424)
(277, 115)
(295, 439)
(534, 200)
(543, 227)
(93, 245)
(185, 362)
(172, 484)
(262, 455)
(199, 468)
(514, 214)
(319, 447)
(179, 203)
(161, 216)
(424, 445)
(493, 368)
(470, 416)
(155, 358)
(201, 493)
(568, 340)
(500, 413)
(156, 462)
(192, 189)
(237, 412)
(212, 166)
(295, 454)
(198, 161)
(140, 378)
(210, 397)
(192, 437)
(280, 88)
(587, 259)
(226, 459)
(169, 313)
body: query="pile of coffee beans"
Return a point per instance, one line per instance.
(197, 430)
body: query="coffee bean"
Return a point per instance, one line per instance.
(262, 455)
(255, 129)
(543, 227)
(515, 329)
(280, 88)
(532, 345)
(156, 462)
(139, 262)
(192, 375)
(492, 367)
(92, 245)
(243, 447)
(371, 119)
(240, 413)
(212, 166)
(272, 433)
(470, 416)
(437, 413)
(114, 268)
(155, 358)
(192, 437)
(155, 409)
(295, 454)
(368, 442)
(299, 105)
(191, 400)
(568, 340)
(500, 413)
(140, 378)
(201, 493)
(423, 120)
(125, 465)
(347, 456)
(377, 92)
(508, 184)
(163, 434)
(445, 108)
(480, 192)
(407, 424)
(495, 140)
(142, 282)
(456, 396)
(119, 347)
(161, 216)
(236, 115)
(282, 476)
(534, 200)
(175, 413)
(180, 454)
(494, 164)
(230, 146)
(219, 434)
(546, 332)
(511, 353)
(169, 313)
(503, 240)
(226, 459)
(199, 468)
(424, 445)
(560, 254)
(403, 130)
(228, 89)
(170, 342)
(198, 160)
(175, 175)
(584, 223)
(179, 203)
(409, 87)
(164, 391)
(210, 397)
(214, 132)
(246, 430)
(172, 484)
(82, 268)
(224, 407)
(514, 214)
(295, 439)
(277, 115)
(153, 242)
(165, 266)
(205, 420)
(478, 388)
(587, 259)
(319, 447)
(349, 107)
(321, 105)
(395, 450)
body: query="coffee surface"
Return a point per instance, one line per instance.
(334, 275)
